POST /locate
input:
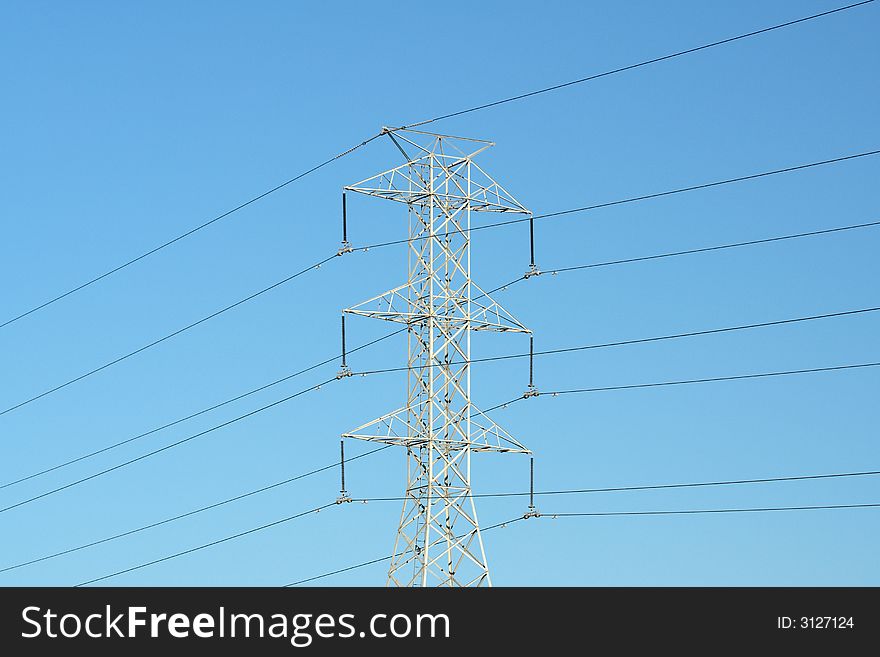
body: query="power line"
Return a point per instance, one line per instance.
(551, 393)
(228, 500)
(705, 249)
(617, 489)
(486, 226)
(438, 118)
(636, 199)
(572, 491)
(554, 393)
(545, 90)
(253, 391)
(619, 343)
(612, 513)
(317, 265)
(187, 233)
(715, 379)
(669, 383)
(166, 447)
(725, 329)
(495, 526)
(500, 287)
(385, 558)
(119, 466)
(705, 185)
(232, 537)
(207, 545)
(814, 507)
(633, 66)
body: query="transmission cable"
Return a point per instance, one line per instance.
(504, 404)
(491, 527)
(391, 556)
(634, 66)
(177, 443)
(228, 500)
(673, 254)
(500, 287)
(207, 545)
(425, 122)
(576, 391)
(387, 557)
(619, 343)
(394, 242)
(187, 233)
(610, 513)
(492, 291)
(240, 535)
(740, 377)
(317, 265)
(813, 507)
(619, 489)
(631, 199)
(253, 391)
(572, 491)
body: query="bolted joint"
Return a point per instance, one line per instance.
(532, 271)
(531, 391)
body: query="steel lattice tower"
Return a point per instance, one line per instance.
(438, 541)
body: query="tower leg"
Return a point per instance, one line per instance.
(438, 540)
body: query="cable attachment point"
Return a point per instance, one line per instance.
(533, 270)
(344, 248)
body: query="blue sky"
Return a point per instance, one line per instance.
(126, 125)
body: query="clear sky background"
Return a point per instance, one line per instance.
(126, 124)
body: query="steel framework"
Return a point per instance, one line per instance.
(438, 540)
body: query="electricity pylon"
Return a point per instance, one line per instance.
(438, 540)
